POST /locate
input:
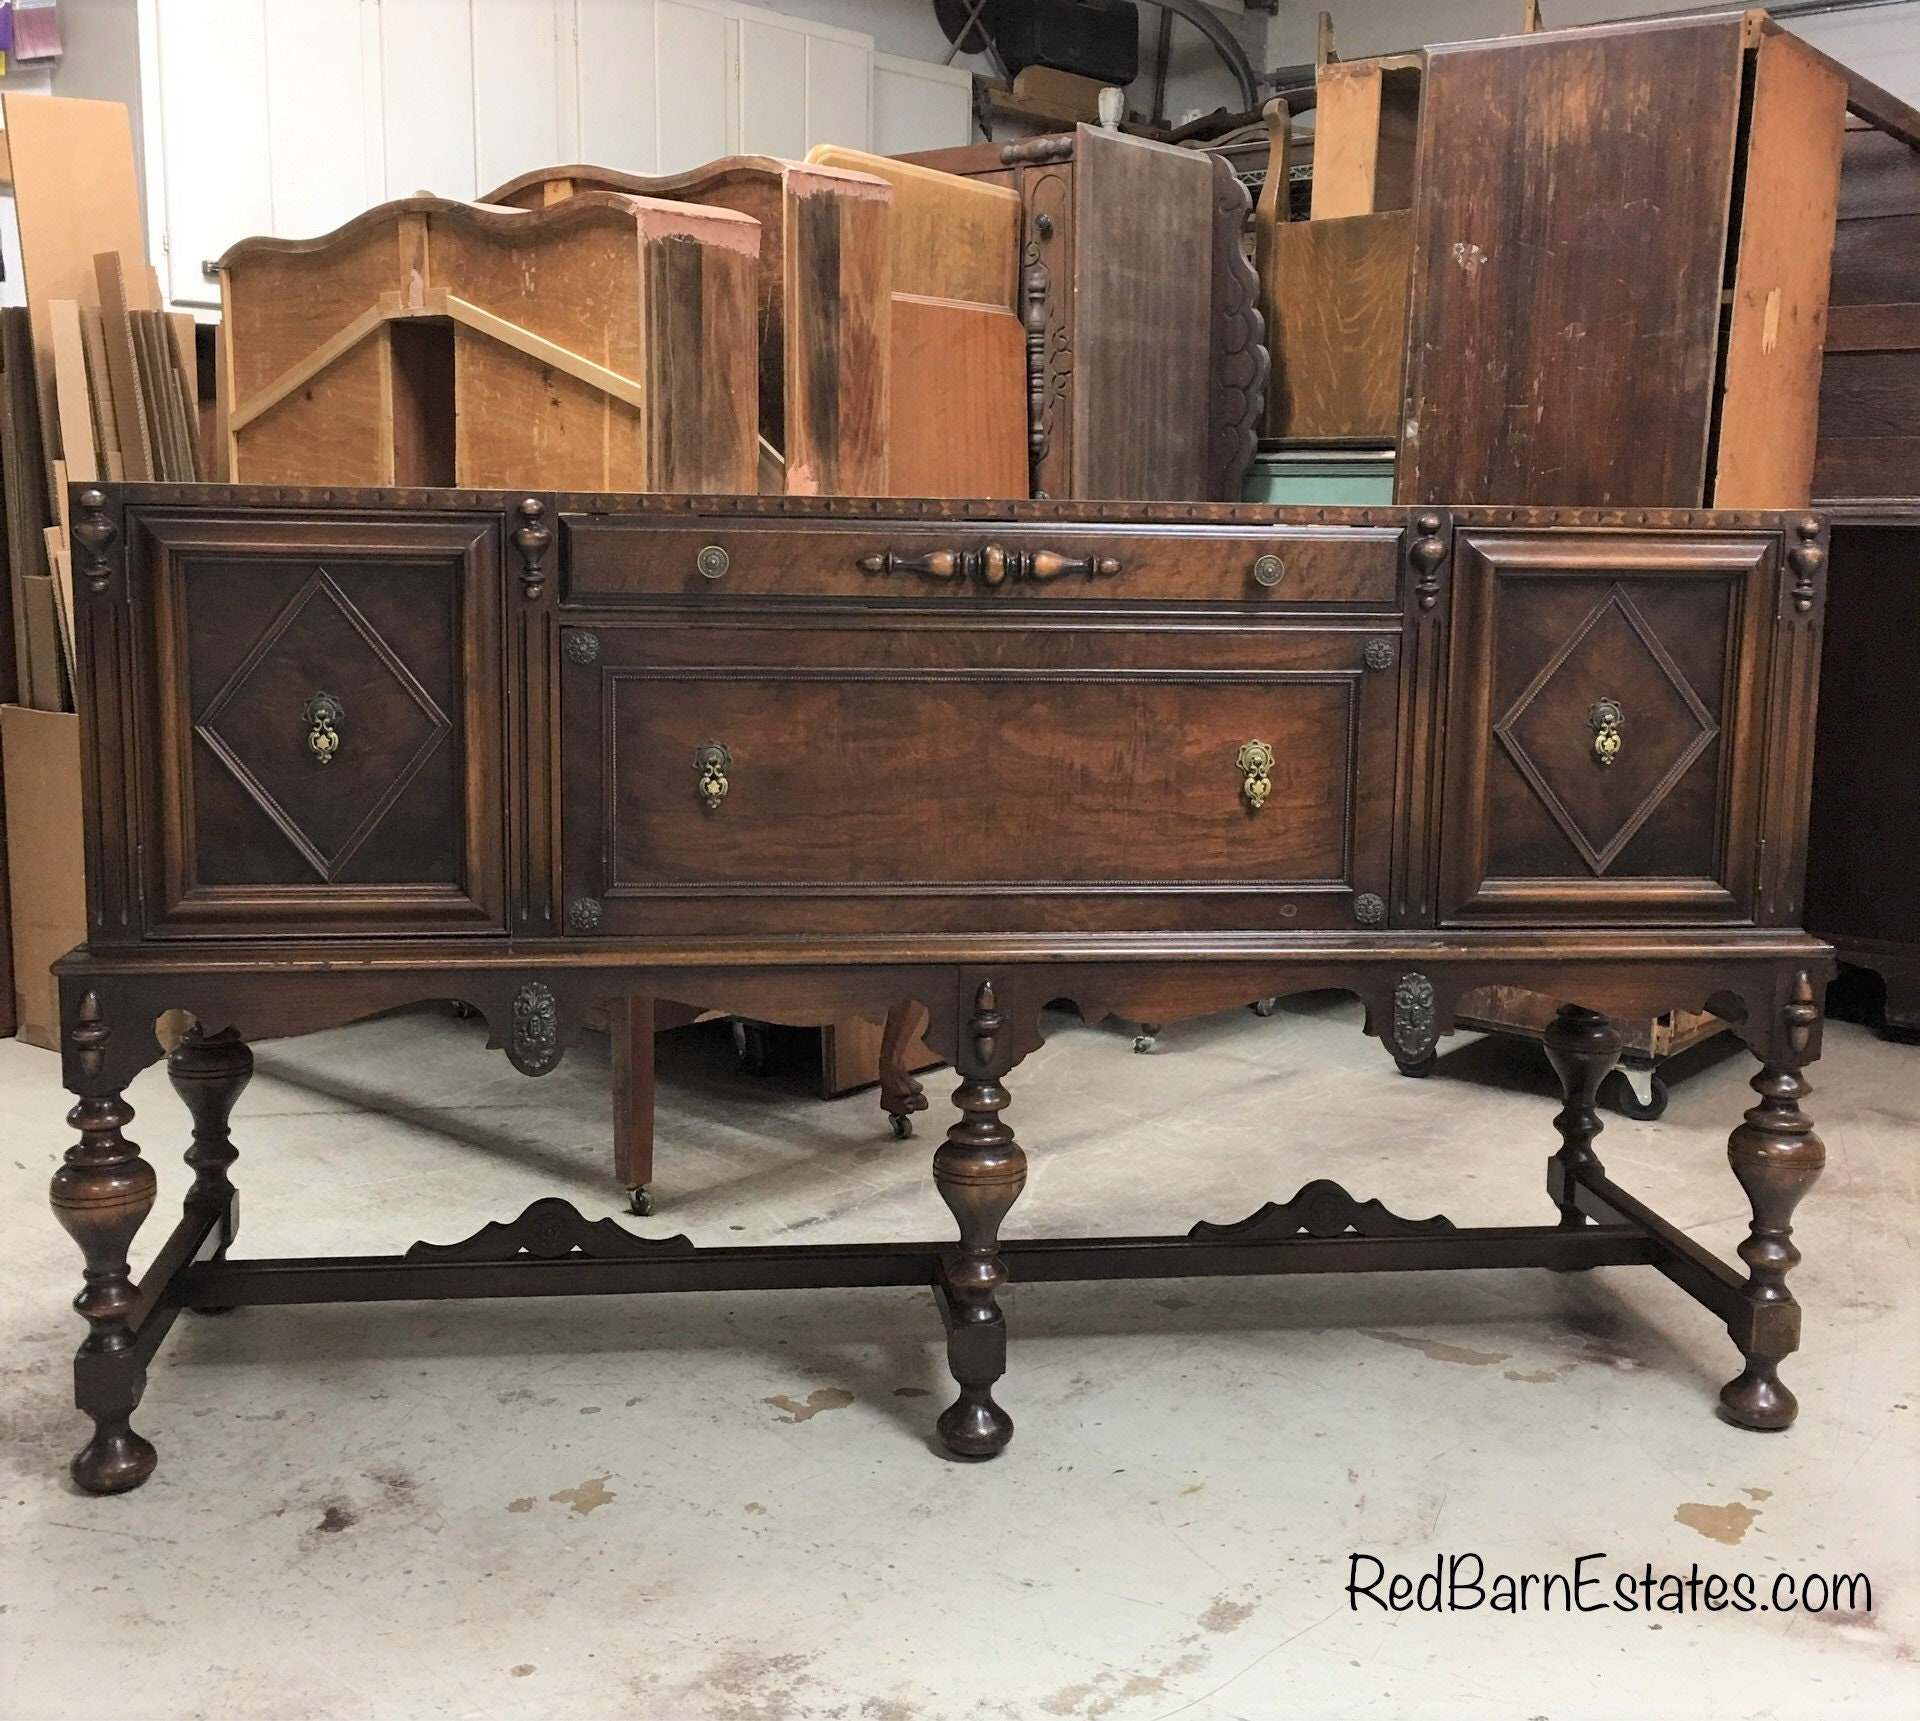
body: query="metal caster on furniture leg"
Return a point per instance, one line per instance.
(1418, 1067)
(1626, 1098)
(640, 1200)
(900, 1124)
(1149, 1034)
(1264, 1006)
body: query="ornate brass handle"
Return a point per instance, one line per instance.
(1254, 762)
(711, 763)
(325, 714)
(993, 566)
(1607, 719)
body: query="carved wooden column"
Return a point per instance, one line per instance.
(1777, 1158)
(208, 1072)
(979, 1170)
(101, 1193)
(1582, 1046)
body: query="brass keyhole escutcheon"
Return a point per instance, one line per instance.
(712, 562)
(325, 714)
(711, 763)
(1254, 762)
(1268, 570)
(1607, 719)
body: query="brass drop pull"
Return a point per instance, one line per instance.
(1254, 762)
(1606, 718)
(711, 763)
(325, 714)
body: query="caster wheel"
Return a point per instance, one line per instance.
(900, 1124)
(640, 1201)
(1264, 1006)
(1627, 1100)
(1144, 1040)
(1418, 1067)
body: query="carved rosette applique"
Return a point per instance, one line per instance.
(535, 1041)
(1414, 1019)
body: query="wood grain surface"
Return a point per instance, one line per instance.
(958, 414)
(1570, 237)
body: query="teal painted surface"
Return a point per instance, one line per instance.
(1319, 480)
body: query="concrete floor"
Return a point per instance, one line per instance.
(726, 1506)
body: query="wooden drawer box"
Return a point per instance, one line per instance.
(1029, 774)
(1603, 718)
(323, 747)
(608, 561)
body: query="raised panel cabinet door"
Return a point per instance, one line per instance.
(904, 773)
(326, 751)
(1606, 697)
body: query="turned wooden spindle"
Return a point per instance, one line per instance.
(979, 1170)
(1582, 1046)
(1777, 1158)
(208, 1072)
(101, 1193)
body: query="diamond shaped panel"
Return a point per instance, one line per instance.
(1613, 654)
(256, 724)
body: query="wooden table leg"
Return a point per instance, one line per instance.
(1582, 1046)
(1777, 1158)
(631, 1025)
(979, 1170)
(901, 1094)
(208, 1072)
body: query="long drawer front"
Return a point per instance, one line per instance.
(876, 774)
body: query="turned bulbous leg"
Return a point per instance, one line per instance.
(1582, 1046)
(980, 1171)
(208, 1072)
(1777, 1158)
(101, 1193)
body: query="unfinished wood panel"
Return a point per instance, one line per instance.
(1550, 309)
(573, 362)
(838, 293)
(1335, 296)
(1791, 190)
(839, 301)
(959, 399)
(1365, 134)
(953, 238)
(75, 401)
(1143, 337)
(123, 367)
(74, 196)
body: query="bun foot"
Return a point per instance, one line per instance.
(113, 1461)
(1756, 1398)
(973, 1426)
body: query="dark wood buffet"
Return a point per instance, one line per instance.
(349, 749)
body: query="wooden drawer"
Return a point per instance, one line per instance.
(1603, 731)
(915, 776)
(325, 728)
(606, 560)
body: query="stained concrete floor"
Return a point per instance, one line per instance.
(727, 1506)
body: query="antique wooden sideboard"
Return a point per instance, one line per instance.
(805, 758)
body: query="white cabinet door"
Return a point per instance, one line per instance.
(773, 88)
(695, 95)
(614, 68)
(516, 89)
(323, 145)
(426, 77)
(920, 106)
(213, 136)
(839, 92)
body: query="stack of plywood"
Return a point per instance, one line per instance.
(96, 382)
(823, 304)
(957, 386)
